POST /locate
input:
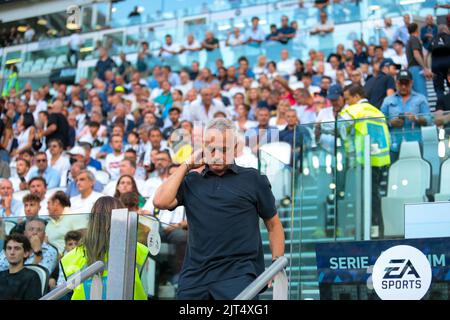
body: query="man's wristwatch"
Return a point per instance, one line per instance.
(38, 253)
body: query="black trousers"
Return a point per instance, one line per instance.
(439, 67)
(377, 217)
(219, 290)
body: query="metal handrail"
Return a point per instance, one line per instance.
(75, 280)
(259, 283)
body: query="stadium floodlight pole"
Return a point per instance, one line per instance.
(75, 280)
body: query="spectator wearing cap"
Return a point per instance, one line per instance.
(406, 111)
(381, 85)
(174, 117)
(42, 169)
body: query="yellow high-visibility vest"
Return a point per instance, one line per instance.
(374, 125)
(76, 260)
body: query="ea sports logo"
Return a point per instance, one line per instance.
(401, 273)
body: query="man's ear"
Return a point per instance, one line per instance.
(26, 254)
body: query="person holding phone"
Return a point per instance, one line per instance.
(223, 205)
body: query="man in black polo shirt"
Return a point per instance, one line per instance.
(57, 126)
(223, 205)
(377, 88)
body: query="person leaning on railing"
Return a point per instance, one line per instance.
(95, 246)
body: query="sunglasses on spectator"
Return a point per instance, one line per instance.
(41, 160)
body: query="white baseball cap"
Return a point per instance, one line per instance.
(77, 150)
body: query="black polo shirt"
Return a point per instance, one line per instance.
(223, 214)
(376, 88)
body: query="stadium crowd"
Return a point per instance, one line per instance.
(122, 132)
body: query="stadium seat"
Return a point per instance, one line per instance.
(444, 189)
(9, 225)
(430, 154)
(409, 178)
(26, 67)
(43, 275)
(60, 61)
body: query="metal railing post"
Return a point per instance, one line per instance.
(367, 180)
(122, 255)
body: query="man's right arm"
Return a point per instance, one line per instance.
(166, 194)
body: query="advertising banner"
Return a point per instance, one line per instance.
(345, 269)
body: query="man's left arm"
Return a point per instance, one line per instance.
(268, 212)
(424, 117)
(276, 236)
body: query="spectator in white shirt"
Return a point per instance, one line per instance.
(286, 66)
(399, 57)
(387, 52)
(28, 35)
(235, 38)
(169, 52)
(112, 161)
(185, 83)
(324, 29)
(191, 49)
(127, 167)
(84, 202)
(388, 30)
(74, 44)
(203, 110)
(169, 49)
(255, 35)
(260, 67)
(56, 159)
(162, 162)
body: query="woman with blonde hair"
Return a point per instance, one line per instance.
(95, 247)
(280, 119)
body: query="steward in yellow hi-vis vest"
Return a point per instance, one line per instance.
(374, 125)
(76, 260)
